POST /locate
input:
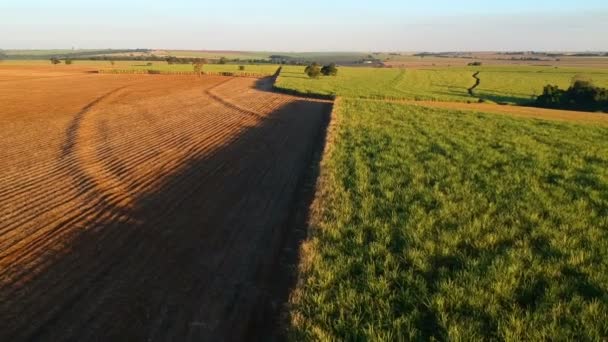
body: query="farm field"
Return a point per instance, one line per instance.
(143, 207)
(420, 84)
(510, 84)
(438, 223)
(518, 84)
(408, 60)
(84, 65)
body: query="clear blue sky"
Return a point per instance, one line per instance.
(312, 25)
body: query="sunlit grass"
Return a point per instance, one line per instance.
(510, 84)
(458, 226)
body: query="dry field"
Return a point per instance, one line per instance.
(143, 207)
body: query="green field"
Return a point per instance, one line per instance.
(419, 84)
(260, 69)
(511, 84)
(457, 226)
(518, 84)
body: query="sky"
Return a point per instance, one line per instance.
(312, 25)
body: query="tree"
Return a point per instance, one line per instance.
(197, 65)
(241, 67)
(223, 60)
(313, 70)
(68, 61)
(55, 60)
(329, 70)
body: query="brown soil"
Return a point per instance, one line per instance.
(140, 207)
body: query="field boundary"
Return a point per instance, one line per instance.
(319, 193)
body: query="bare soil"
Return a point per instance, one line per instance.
(145, 207)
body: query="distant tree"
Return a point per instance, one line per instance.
(309, 66)
(68, 61)
(197, 65)
(55, 60)
(241, 67)
(223, 60)
(313, 70)
(329, 70)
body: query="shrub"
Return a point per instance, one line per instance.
(329, 70)
(197, 66)
(68, 61)
(582, 94)
(55, 60)
(241, 67)
(313, 70)
(474, 64)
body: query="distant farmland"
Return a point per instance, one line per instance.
(511, 84)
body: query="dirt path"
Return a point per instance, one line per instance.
(144, 207)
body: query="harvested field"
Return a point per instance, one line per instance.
(140, 207)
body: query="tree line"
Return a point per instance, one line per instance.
(581, 95)
(315, 70)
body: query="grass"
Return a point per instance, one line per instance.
(262, 69)
(416, 84)
(441, 224)
(517, 85)
(510, 84)
(265, 69)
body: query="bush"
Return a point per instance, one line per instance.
(68, 61)
(197, 66)
(313, 70)
(55, 60)
(582, 94)
(330, 70)
(241, 67)
(474, 64)
(223, 60)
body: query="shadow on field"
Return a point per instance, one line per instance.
(208, 256)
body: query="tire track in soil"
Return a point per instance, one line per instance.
(192, 255)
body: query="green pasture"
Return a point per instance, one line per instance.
(444, 225)
(509, 84)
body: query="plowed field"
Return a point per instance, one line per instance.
(144, 207)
